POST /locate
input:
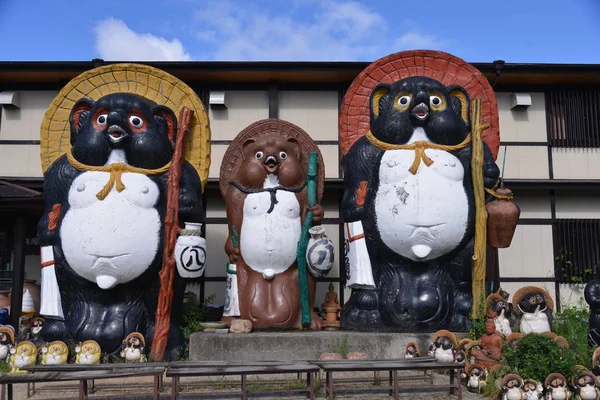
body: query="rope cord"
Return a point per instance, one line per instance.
(419, 148)
(272, 191)
(116, 170)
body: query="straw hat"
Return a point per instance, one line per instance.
(415, 346)
(469, 367)
(137, 335)
(514, 336)
(551, 335)
(526, 381)
(518, 296)
(445, 333)
(581, 373)
(512, 376)
(233, 155)
(562, 342)
(151, 83)
(553, 376)
(490, 298)
(465, 343)
(10, 331)
(443, 67)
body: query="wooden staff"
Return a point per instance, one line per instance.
(311, 190)
(479, 250)
(167, 273)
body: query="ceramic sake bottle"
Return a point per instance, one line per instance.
(320, 252)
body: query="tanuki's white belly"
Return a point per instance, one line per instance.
(114, 240)
(270, 240)
(425, 215)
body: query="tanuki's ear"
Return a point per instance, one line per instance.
(245, 147)
(79, 115)
(379, 99)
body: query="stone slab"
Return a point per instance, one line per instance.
(289, 346)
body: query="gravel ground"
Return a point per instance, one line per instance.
(220, 388)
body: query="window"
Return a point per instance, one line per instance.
(574, 117)
(577, 249)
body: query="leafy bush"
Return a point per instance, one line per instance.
(537, 356)
(572, 324)
(478, 328)
(194, 312)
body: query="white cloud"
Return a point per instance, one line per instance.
(114, 41)
(323, 30)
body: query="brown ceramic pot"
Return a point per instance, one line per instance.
(503, 215)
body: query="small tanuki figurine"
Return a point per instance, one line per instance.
(54, 353)
(535, 307)
(331, 307)
(476, 376)
(412, 350)
(7, 340)
(596, 362)
(133, 348)
(562, 342)
(585, 385)
(443, 346)
(532, 390)
(24, 354)
(460, 356)
(556, 387)
(499, 310)
(490, 346)
(272, 179)
(512, 341)
(512, 387)
(37, 324)
(88, 352)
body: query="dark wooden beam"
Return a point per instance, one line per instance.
(18, 271)
(273, 99)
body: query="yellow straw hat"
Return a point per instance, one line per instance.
(151, 83)
(488, 301)
(448, 334)
(532, 289)
(512, 376)
(137, 335)
(552, 377)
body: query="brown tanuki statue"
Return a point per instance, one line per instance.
(263, 180)
(331, 307)
(490, 344)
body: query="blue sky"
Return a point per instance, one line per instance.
(527, 31)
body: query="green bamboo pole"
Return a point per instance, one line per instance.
(311, 188)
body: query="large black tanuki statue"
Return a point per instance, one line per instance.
(592, 297)
(102, 232)
(409, 184)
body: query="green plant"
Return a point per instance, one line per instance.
(4, 368)
(341, 348)
(563, 264)
(478, 328)
(537, 356)
(572, 324)
(492, 382)
(194, 312)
